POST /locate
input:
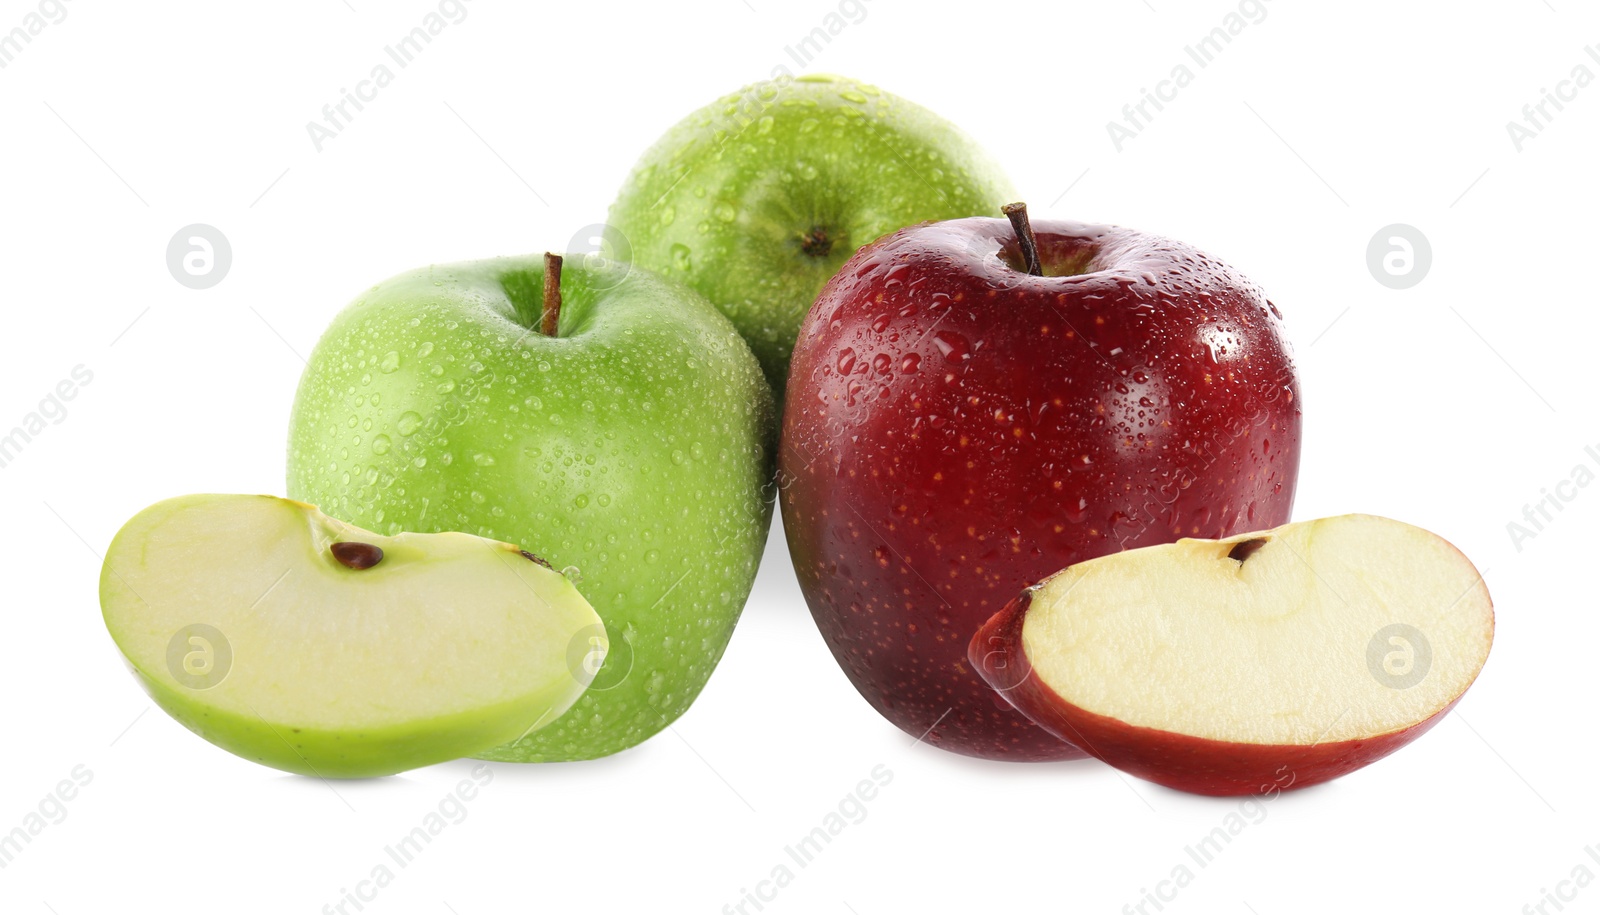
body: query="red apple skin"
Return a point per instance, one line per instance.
(1195, 764)
(957, 429)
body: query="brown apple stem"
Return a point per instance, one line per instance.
(1018, 214)
(550, 319)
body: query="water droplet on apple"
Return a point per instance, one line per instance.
(953, 346)
(408, 423)
(847, 360)
(835, 320)
(881, 362)
(909, 365)
(381, 444)
(680, 257)
(483, 460)
(425, 350)
(668, 214)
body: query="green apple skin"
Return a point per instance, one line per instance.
(328, 753)
(758, 198)
(634, 446)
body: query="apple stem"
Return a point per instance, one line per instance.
(551, 317)
(1018, 214)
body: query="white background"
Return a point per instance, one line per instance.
(1452, 405)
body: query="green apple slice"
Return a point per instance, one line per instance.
(310, 645)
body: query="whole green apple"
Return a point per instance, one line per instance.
(630, 442)
(758, 198)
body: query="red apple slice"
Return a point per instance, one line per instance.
(1264, 661)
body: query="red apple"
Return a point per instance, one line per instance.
(958, 428)
(1261, 662)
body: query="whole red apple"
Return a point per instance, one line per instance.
(958, 428)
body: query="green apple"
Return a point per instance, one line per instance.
(314, 646)
(631, 442)
(758, 198)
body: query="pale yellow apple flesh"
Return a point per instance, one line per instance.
(247, 623)
(1284, 657)
(1272, 649)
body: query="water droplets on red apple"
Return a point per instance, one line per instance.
(952, 345)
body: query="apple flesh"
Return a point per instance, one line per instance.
(956, 429)
(1275, 659)
(758, 198)
(313, 646)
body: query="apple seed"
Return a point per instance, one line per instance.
(1244, 549)
(354, 555)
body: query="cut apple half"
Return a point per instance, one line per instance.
(1260, 662)
(308, 644)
